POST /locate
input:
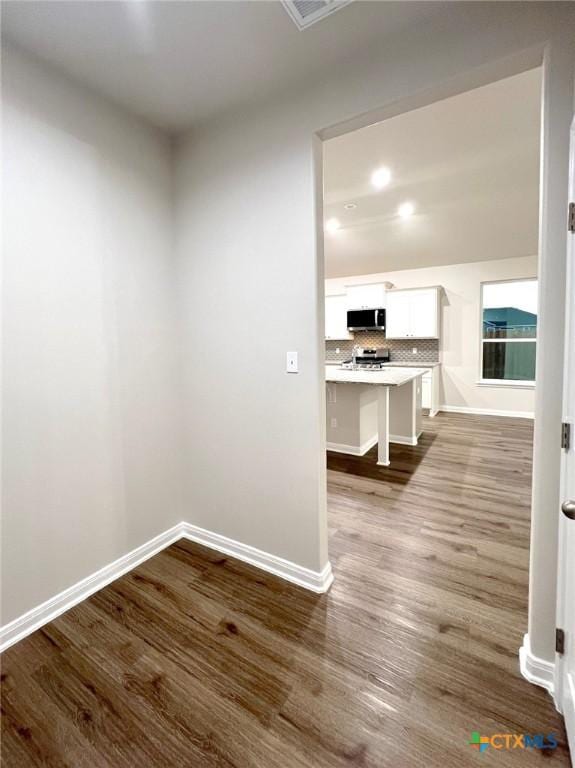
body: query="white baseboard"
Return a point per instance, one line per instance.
(315, 581)
(536, 670)
(403, 440)
(52, 608)
(486, 411)
(353, 450)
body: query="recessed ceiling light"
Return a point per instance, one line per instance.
(350, 206)
(381, 177)
(332, 225)
(406, 210)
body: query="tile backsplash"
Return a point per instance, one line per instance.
(400, 350)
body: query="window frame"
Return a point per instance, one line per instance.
(513, 383)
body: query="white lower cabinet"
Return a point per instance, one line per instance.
(430, 389)
(426, 390)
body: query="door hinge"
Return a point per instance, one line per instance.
(566, 435)
(571, 218)
(560, 641)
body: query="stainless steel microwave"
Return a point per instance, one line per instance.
(366, 320)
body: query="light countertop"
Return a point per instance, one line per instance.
(397, 364)
(391, 377)
(393, 364)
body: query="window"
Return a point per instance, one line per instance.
(508, 331)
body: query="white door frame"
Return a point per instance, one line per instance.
(564, 616)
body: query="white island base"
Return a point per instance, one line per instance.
(369, 407)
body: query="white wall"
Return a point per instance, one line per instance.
(253, 431)
(460, 318)
(250, 270)
(90, 466)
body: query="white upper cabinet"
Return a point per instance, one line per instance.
(336, 318)
(397, 316)
(369, 296)
(413, 314)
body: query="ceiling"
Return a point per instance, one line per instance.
(177, 63)
(469, 164)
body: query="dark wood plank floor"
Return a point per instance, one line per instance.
(194, 659)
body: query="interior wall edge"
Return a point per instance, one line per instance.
(557, 113)
(491, 72)
(318, 582)
(536, 670)
(315, 581)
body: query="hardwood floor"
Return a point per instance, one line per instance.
(194, 659)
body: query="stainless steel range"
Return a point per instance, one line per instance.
(367, 359)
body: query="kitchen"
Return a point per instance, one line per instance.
(377, 395)
(425, 312)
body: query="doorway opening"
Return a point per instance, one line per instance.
(431, 230)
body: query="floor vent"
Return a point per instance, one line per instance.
(306, 12)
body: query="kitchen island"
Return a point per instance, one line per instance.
(365, 407)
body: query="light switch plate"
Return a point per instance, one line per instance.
(291, 363)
